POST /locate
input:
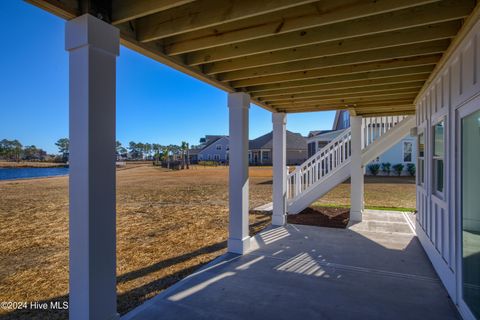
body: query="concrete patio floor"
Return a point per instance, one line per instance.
(376, 269)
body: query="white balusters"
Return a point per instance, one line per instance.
(326, 161)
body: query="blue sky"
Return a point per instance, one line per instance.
(155, 103)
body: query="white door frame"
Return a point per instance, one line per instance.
(465, 110)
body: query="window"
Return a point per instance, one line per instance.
(346, 118)
(265, 155)
(438, 156)
(421, 159)
(470, 221)
(407, 151)
(209, 157)
(216, 157)
(219, 147)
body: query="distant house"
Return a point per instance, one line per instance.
(260, 149)
(316, 140)
(403, 152)
(211, 148)
(193, 155)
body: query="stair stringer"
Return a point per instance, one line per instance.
(318, 190)
(321, 187)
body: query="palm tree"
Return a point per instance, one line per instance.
(157, 148)
(165, 155)
(184, 148)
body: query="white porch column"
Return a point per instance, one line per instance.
(356, 194)
(279, 154)
(238, 238)
(93, 47)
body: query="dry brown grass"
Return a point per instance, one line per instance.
(168, 224)
(389, 192)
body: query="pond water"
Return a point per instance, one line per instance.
(25, 173)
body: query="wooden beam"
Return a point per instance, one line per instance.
(447, 10)
(421, 71)
(206, 13)
(351, 98)
(411, 50)
(398, 107)
(342, 105)
(388, 113)
(393, 39)
(344, 85)
(343, 70)
(394, 110)
(66, 9)
(313, 15)
(345, 92)
(126, 10)
(469, 23)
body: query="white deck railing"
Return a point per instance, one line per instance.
(335, 154)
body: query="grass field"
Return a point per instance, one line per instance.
(169, 223)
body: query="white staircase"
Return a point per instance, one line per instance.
(330, 166)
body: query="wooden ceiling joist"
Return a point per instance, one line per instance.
(127, 10)
(344, 92)
(406, 51)
(353, 45)
(348, 85)
(342, 70)
(371, 57)
(206, 13)
(374, 103)
(342, 80)
(397, 20)
(400, 110)
(398, 93)
(294, 19)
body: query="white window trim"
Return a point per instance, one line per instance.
(419, 158)
(435, 192)
(403, 151)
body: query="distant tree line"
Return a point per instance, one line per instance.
(167, 154)
(13, 150)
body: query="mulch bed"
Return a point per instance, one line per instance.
(322, 217)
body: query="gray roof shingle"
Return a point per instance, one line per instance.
(294, 141)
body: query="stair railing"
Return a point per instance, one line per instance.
(322, 163)
(335, 154)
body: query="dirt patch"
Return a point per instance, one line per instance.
(322, 217)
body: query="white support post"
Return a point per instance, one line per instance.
(238, 238)
(356, 194)
(93, 47)
(279, 169)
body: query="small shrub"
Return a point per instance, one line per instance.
(374, 168)
(386, 168)
(208, 163)
(398, 168)
(411, 169)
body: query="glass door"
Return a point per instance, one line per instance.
(470, 202)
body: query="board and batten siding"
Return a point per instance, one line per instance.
(438, 220)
